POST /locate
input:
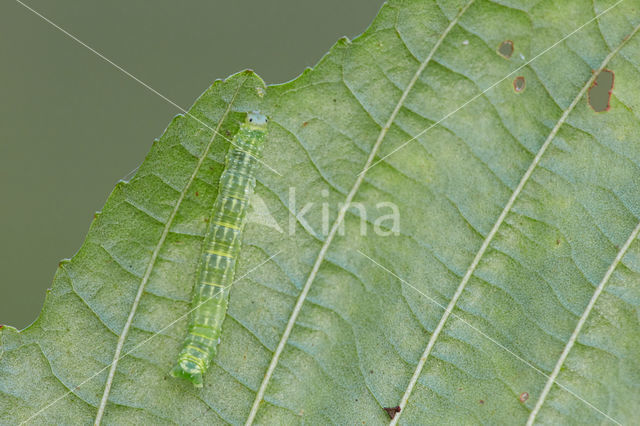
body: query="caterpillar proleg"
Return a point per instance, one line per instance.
(220, 250)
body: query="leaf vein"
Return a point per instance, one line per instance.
(151, 264)
(341, 214)
(498, 223)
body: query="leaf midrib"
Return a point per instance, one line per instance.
(498, 223)
(154, 255)
(340, 217)
(601, 285)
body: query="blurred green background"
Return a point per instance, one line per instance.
(73, 125)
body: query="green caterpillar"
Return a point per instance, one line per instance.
(220, 250)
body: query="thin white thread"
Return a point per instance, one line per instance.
(216, 132)
(489, 88)
(581, 322)
(172, 323)
(496, 226)
(133, 77)
(151, 265)
(487, 337)
(227, 139)
(336, 225)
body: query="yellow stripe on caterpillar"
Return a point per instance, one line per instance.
(202, 351)
(212, 284)
(216, 267)
(227, 225)
(201, 335)
(220, 253)
(195, 360)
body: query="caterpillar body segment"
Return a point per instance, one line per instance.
(221, 248)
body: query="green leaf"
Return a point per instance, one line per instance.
(519, 213)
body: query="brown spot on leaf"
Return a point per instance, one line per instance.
(524, 396)
(481, 401)
(506, 49)
(391, 411)
(305, 124)
(519, 84)
(600, 91)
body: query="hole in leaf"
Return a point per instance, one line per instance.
(506, 49)
(600, 91)
(519, 84)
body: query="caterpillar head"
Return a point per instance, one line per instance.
(256, 119)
